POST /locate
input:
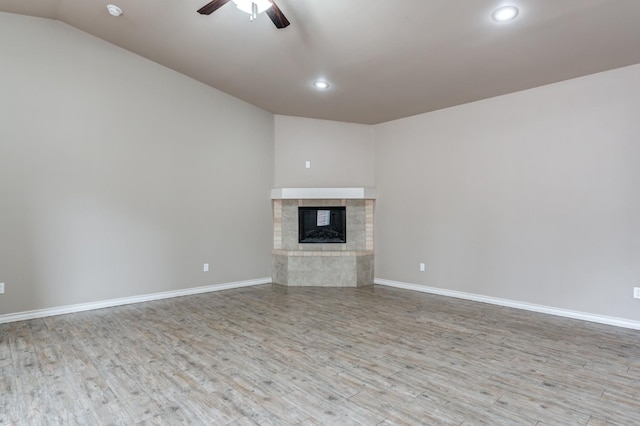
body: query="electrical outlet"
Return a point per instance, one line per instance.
(422, 267)
(1, 288)
(307, 164)
(636, 292)
(205, 268)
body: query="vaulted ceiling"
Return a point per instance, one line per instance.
(384, 59)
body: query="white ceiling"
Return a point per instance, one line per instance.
(384, 59)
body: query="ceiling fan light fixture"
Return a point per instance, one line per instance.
(114, 10)
(321, 84)
(505, 13)
(247, 5)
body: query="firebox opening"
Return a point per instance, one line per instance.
(322, 225)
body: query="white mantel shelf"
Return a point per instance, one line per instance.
(360, 193)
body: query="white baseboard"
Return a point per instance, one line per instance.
(41, 313)
(602, 319)
(61, 310)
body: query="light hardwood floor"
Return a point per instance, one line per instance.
(317, 356)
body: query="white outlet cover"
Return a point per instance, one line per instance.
(205, 268)
(307, 164)
(1, 288)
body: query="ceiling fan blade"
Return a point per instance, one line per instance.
(276, 15)
(211, 7)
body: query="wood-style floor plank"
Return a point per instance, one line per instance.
(271, 355)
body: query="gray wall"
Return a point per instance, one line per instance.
(532, 196)
(120, 177)
(341, 154)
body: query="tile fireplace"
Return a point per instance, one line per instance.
(318, 263)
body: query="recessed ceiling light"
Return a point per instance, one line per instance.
(321, 84)
(114, 10)
(505, 13)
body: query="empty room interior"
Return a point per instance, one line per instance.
(299, 212)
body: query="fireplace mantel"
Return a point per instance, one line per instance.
(356, 193)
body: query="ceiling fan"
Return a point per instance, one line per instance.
(252, 7)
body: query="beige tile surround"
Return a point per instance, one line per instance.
(327, 265)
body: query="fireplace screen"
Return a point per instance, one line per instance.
(322, 225)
